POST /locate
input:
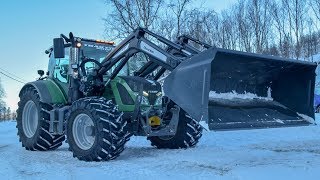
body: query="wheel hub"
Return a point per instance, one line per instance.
(30, 119)
(89, 130)
(83, 131)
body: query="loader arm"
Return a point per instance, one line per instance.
(168, 59)
(137, 42)
(185, 41)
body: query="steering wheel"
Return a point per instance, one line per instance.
(64, 71)
(86, 60)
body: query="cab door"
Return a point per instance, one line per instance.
(58, 70)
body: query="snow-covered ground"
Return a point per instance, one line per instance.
(314, 58)
(284, 153)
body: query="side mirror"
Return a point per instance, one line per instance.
(41, 73)
(58, 47)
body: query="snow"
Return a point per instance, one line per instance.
(307, 118)
(314, 58)
(234, 95)
(282, 153)
(279, 121)
(269, 92)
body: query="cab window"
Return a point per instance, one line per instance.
(60, 67)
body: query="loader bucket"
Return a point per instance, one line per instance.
(237, 90)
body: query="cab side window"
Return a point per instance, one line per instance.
(61, 66)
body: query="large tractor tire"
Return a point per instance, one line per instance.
(96, 130)
(189, 132)
(33, 119)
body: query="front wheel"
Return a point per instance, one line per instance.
(96, 130)
(189, 132)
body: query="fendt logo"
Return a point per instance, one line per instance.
(146, 48)
(152, 92)
(149, 49)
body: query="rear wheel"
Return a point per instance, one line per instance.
(33, 119)
(189, 132)
(96, 130)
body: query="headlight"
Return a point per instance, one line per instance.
(78, 45)
(145, 94)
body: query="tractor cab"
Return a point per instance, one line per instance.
(59, 67)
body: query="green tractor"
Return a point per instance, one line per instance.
(97, 95)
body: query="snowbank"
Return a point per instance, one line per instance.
(307, 118)
(314, 58)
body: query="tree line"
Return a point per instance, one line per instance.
(287, 28)
(5, 112)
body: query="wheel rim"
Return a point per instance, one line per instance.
(30, 119)
(83, 131)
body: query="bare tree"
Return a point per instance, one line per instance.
(315, 6)
(202, 25)
(8, 114)
(244, 27)
(260, 22)
(13, 115)
(228, 31)
(2, 94)
(297, 11)
(310, 41)
(167, 25)
(178, 7)
(129, 14)
(4, 113)
(279, 21)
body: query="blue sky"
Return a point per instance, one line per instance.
(28, 27)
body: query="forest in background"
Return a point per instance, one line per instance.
(287, 28)
(5, 112)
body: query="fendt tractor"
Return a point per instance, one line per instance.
(97, 94)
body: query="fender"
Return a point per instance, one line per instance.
(49, 91)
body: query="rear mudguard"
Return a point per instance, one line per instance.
(49, 92)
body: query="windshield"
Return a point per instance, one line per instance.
(97, 51)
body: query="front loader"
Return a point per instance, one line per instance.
(261, 91)
(98, 95)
